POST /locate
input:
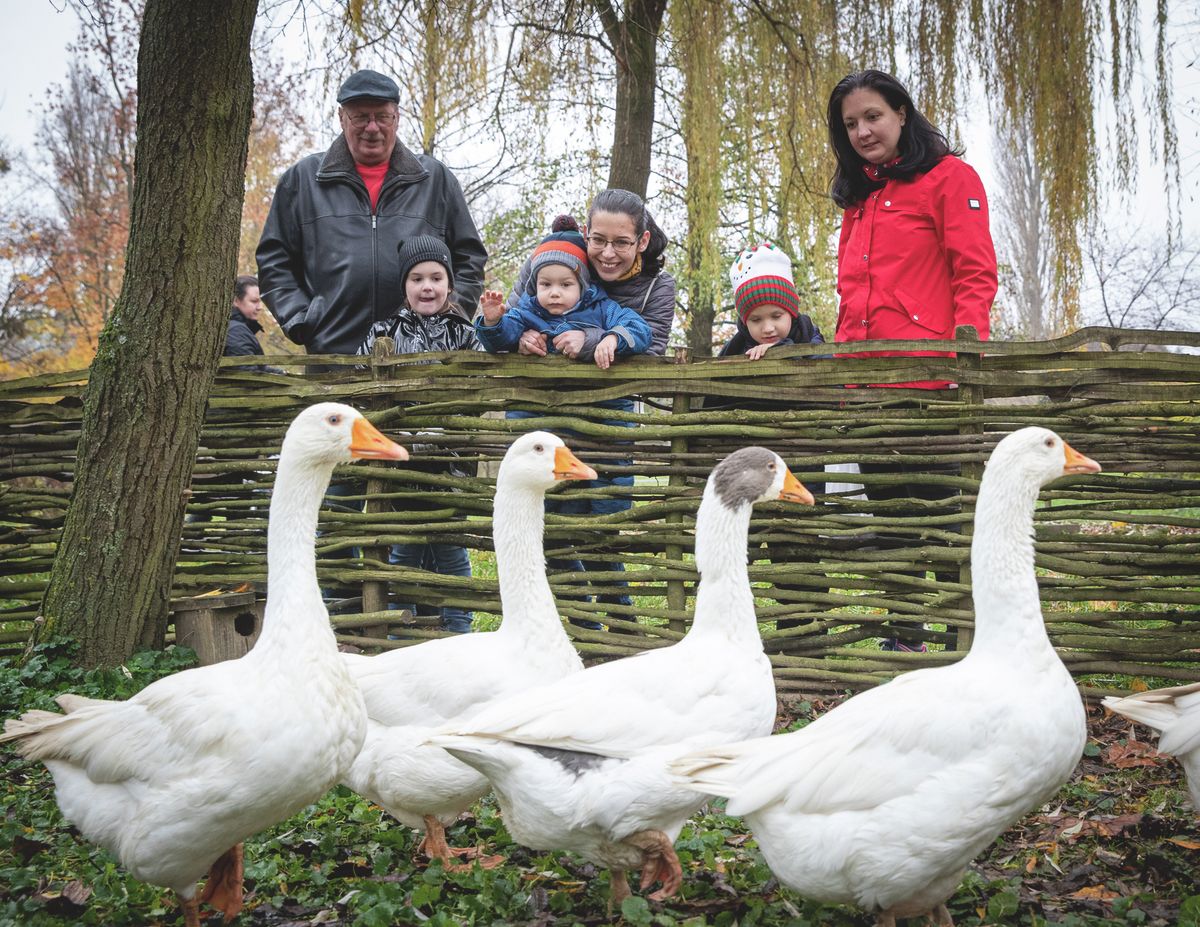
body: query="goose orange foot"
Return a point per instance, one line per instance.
(223, 889)
(434, 846)
(660, 864)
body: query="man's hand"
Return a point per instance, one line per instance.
(606, 351)
(491, 303)
(757, 351)
(569, 344)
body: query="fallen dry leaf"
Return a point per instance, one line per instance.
(1095, 893)
(1131, 754)
(1185, 843)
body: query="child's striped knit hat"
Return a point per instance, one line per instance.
(564, 245)
(763, 274)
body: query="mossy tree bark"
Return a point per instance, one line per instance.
(157, 358)
(634, 41)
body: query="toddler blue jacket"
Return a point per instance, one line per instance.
(595, 310)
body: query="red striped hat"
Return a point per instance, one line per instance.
(566, 247)
(762, 275)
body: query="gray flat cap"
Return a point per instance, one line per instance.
(368, 85)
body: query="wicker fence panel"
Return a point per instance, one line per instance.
(1117, 553)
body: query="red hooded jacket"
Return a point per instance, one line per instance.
(915, 260)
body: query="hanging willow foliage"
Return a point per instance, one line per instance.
(699, 51)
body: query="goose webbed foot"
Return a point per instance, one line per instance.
(659, 863)
(939, 917)
(434, 846)
(223, 888)
(191, 911)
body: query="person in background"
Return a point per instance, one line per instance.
(337, 215)
(915, 254)
(570, 315)
(429, 319)
(240, 337)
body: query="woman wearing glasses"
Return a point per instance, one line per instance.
(625, 253)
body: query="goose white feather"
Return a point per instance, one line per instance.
(412, 690)
(884, 800)
(579, 764)
(175, 776)
(1175, 713)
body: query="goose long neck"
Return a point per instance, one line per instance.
(723, 598)
(293, 594)
(518, 528)
(1008, 613)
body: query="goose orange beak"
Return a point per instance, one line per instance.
(569, 467)
(795, 491)
(366, 442)
(1077, 463)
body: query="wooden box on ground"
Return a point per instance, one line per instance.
(218, 627)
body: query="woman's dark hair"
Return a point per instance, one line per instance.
(242, 283)
(632, 205)
(922, 145)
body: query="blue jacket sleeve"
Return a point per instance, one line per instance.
(633, 334)
(504, 335)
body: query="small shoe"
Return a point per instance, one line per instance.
(457, 625)
(587, 623)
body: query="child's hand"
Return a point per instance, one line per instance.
(492, 305)
(756, 352)
(569, 344)
(532, 342)
(606, 351)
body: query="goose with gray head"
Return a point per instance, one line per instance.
(173, 779)
(883, 801)
(579, 765)
(411, 690)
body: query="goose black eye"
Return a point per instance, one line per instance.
(1049, 442)
(771, 465)
(539, 448)
(334, 419)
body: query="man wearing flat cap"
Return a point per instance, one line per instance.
(327, 259)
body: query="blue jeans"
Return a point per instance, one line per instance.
(607, 506)
(446, 559)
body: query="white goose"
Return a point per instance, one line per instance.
(410, 691)
(580, 764)
(173, 779)
(883, 801)
(1175, 714)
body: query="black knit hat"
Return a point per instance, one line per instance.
(424, 248)
(368, 85)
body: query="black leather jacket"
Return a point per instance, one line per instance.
(413, 334)
(327, 265)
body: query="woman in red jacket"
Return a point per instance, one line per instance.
(915, 256)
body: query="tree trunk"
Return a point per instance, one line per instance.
(149, 383)
(635, 43)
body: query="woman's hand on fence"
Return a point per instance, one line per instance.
(606, 351)
(532, 342)
(491, 303)
(569, 344)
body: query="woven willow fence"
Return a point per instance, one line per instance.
(1117, 553)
